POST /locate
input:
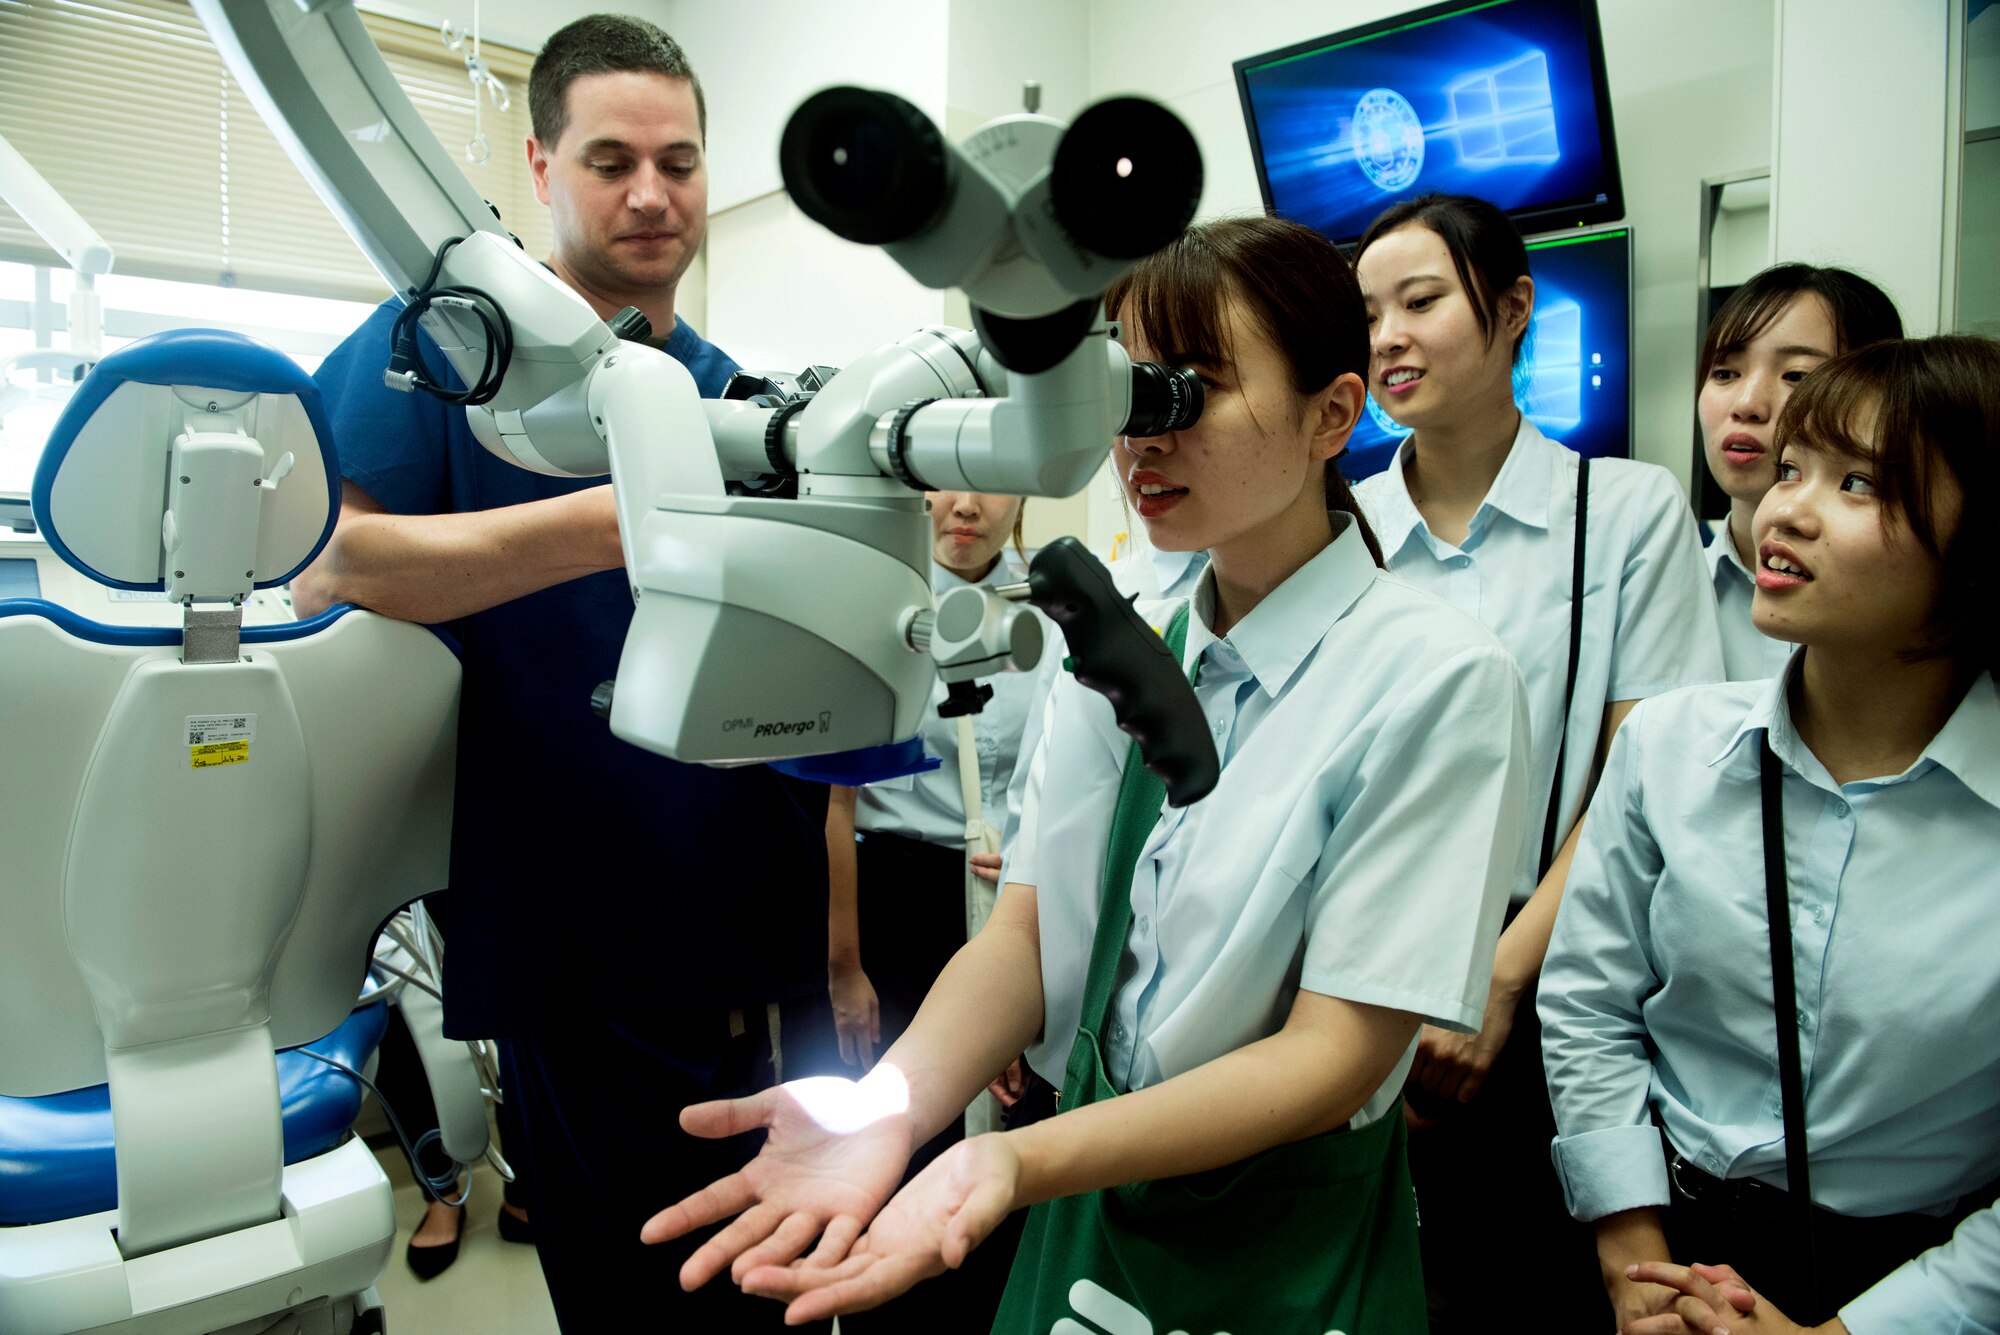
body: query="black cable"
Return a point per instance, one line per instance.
(438, 1185)
(406, 362)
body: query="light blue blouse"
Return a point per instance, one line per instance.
(1360, 843)
(1656, 995)
(1648, 625)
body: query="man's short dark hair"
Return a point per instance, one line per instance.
(602, 44)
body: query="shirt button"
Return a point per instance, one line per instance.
(1840, 808)
(1145, 924)
(1118, 1033)
(1805, 1018)
(1220, 727)
(1818, 914)
(1711, 1163)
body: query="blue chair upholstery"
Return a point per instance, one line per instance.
(55, 1152)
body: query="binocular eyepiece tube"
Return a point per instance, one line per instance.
(1164, 398)
(1124, 179)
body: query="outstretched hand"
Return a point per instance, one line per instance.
(834, 1152)
(930, 1226)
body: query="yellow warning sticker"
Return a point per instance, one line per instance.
(220, 739)
(218, 753)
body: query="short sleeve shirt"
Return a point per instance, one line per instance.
(1647, 625)
(586, 873)
(1360, 843)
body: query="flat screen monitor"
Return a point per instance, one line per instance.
(1503, 99)
(1575, 379)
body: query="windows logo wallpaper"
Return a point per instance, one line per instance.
(1495, 101)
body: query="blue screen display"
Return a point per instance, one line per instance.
(1496, 101)
(1574, 381)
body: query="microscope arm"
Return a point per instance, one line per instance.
(316, 78)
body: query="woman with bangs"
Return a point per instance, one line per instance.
(1768, 1006)
(1232, 989)
(1589, 571)
(1771, 333)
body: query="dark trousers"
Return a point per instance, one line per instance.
(1487, 1191)
(598, 1103)
(1758, 1230)
(912, 914)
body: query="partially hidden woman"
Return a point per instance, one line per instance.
(1771, 333)
(920, 880)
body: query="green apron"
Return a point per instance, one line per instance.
(1310, 1238)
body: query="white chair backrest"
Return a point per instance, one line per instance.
(199, 854)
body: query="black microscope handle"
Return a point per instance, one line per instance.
(1118, 655)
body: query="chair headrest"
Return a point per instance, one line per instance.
(195, 461)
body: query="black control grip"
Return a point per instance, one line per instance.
(1119, 656)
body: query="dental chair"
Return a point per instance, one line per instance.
(202, 828)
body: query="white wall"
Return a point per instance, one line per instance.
(1860, 167)
(781, 291)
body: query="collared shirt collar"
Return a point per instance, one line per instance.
(1520, 490)
(1968, 745)
(1769, 712)
(1281, 632)
(1169, 568)
(1006, 570)
(1720, 554)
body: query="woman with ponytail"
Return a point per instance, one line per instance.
(1231, 990)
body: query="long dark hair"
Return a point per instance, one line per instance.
(1295, 284)
(1485, 249)
(1935, 404)
(1861, 312)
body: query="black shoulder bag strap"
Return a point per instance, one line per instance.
(1576, 568)
(1785, 1001)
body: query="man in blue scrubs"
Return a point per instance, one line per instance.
(641, 934)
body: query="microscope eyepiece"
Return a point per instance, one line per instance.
(1164, 398)
(1126, 178)
(865, 165)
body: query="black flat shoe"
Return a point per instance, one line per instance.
(430, 1262)
(516, 1230)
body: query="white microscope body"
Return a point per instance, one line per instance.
(770, 627)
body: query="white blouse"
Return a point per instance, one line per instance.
(1361, 842)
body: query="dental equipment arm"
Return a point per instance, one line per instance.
(769, 628)
(80, 247)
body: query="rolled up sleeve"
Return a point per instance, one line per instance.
(1597, 976)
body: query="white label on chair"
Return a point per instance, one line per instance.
(220, 739)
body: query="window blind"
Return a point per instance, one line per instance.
(128, 110)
